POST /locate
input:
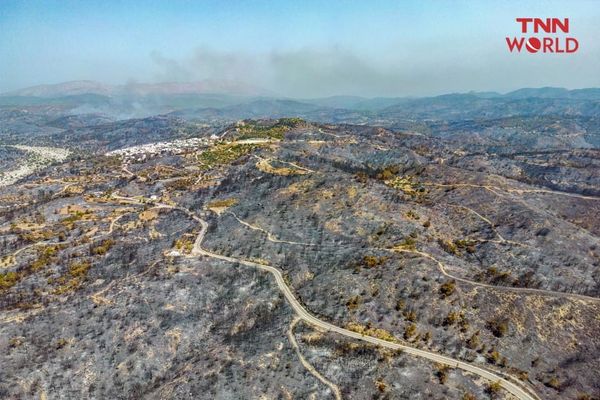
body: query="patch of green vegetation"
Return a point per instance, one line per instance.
(184, 244)
(72, 280)
(448, 246)
(466, 244)
(353, 303)
(474, 341)
(102, 248)
(413, 215)
(410, 315)
(408, 243)
(400, 305)
(388, 174)
(370, 331)
(448, 288)
(404, 183)
(455, 318)
(427, 337)
(9, 279)
(253, 130)
(381, 385)
(373, 261)
(457, 246)
(15, 341)
(452, 318)
(34, 236)
(410, 331)
(223, 154)
(45, 257)
(292, 122)
(224, 203)
(79, 269)
(494, 388)
(74, 217)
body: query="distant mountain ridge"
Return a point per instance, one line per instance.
(229, 101)
(74, 88)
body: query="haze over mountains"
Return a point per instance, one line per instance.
(232, 100)
(74, 88)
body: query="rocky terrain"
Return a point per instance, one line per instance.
(141, 266)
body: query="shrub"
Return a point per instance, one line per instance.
(370, 331)
(427, 337)
(373, 261)
(103, 247)
(474, 341)
(410, 316)
(45, 257)
(448, 288)
(353, 303)
(224, 203)
(468, 245)
(400, 305)
(493, 356)
(452, 318)
(8, 280)
(499, 327)
(523, 375)
(184, 244)
(412, 215)
(381, 385)
(79, 269)
(494, 388)
(410, 331)
(448, 246)
(553, 383)
(408, 243)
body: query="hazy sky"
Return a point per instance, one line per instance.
(294, 48)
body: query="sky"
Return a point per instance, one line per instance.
(294, 48)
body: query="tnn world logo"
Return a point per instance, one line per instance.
(548, 38)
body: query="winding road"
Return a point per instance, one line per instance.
(517, 390)
(512, 385)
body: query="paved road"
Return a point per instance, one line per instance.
(513, 388)
(517, 390)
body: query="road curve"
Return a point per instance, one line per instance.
(511, 387)
(515, 389)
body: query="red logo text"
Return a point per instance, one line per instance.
(544, 35)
